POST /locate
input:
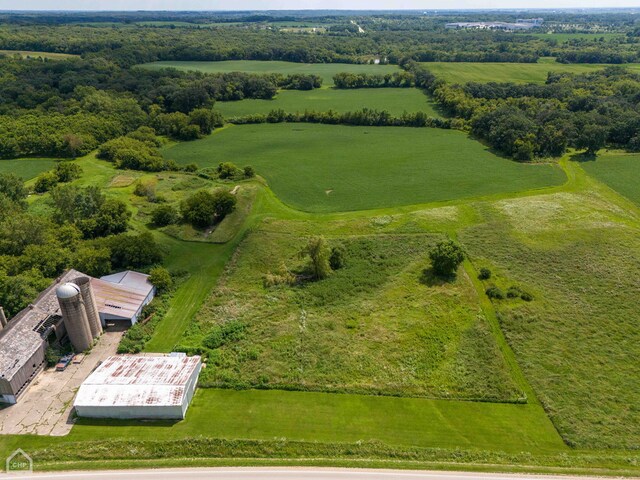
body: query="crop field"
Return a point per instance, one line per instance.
(509, 72)
(619, 171)
(393, 100)
(324, 70)
(375, 326)
(578, 340)
(27, 168)
(325, 168)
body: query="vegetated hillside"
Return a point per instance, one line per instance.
(325, 168)
(381, 324)
(393, 100)
(325, 70)
(578, 341)
(620, 172)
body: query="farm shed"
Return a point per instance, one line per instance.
(136, 386)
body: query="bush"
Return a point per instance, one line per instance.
(68, 171)
(484, 274)
(143, 189)
(446, 257)
(45, 182)
(338, 257)
(164, 215)
(494, 292)
(191, 168)
(203, 208)
(228, 170)
(249, 172)
(221, 334)
(160, 278)
(517, 292)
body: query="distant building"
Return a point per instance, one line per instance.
(139, 387)
(76, 307)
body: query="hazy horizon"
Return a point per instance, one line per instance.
(259, 5)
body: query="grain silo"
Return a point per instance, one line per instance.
(3, 319)
(74, 316)
(89, 305)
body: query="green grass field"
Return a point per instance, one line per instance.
(32, 54)
(324, 70)
(376, 326)
(27, 168)
(394, 100)
(508, 72)
(328, 168)
(578, 341)
(619, 171)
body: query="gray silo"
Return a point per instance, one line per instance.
(74, 316)
(89, 305)
(3, 319)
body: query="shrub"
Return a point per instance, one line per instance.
(45, 182)
(203, 208)
(319, 254)
(143, 189)
(160, 278)
(68, 171)
(446, 257)
(219, 335)
(191, 168)
(282, 277)
(249, 172)
(484, 274)
(494, 292)
(526, 296)
(228, 170)
(517, 292)
(338, 257)
(164, 215)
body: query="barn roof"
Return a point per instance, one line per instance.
(138, 381)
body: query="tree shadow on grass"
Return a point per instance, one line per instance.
(431, 279)
(583, 157)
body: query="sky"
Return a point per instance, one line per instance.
(304, 4)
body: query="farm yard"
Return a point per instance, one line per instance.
(396, 101)
(325, 70)
(328, 168)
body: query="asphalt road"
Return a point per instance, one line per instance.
(280, 473)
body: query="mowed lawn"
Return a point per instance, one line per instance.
(620, 172)
(321, 417)
(463, 72)
(27, 168)
(328, 168)
(393, 100)
(324, 70)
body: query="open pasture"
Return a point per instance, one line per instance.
(27, 168)
(463, 72)
(324, 70)
(329, 168)
(578, 340)
(393, 100)
(619, 171)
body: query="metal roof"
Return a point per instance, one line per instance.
(122, 296)
(133, 380)
(20, 339)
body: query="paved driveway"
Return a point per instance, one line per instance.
(45, 408)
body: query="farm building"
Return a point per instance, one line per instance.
(143, 387)
(76, 307)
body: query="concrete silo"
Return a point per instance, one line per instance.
(74, 316)
(89, 305)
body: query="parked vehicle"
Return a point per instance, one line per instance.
(64, 363)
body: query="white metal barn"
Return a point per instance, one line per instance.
(134, 386)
